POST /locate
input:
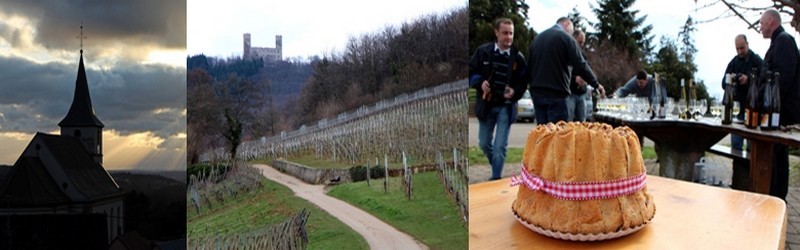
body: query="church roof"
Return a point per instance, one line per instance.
(81, 112)
(31, 183)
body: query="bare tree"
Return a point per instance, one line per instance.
(750, 11)
(202, 120)
(241, 102)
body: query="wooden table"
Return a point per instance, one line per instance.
(681, 143)
(688, 216)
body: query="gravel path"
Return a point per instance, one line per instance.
(377, 233)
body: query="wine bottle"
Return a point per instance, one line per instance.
(766, 103)
(692, 96)
(776, 102)
(682, 115)
(751, 114)
(727, 99)
(662, 96)
(653, 109)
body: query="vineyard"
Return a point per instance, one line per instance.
(290, 234)
(428, 127)
(421, 125)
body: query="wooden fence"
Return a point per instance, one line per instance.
(290, 234)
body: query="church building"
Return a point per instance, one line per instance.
(62, 178)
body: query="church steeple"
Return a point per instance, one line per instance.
(81, 112)
(81, 121)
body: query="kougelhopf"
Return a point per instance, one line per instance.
(583, 179)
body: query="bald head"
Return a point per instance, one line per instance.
(742, 47)
(770, 21)
(566, 24)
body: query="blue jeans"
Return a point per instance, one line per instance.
(549, 109)
(576, 108)
(498, 117)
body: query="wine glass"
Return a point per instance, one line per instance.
(681, 108)
(735, 111)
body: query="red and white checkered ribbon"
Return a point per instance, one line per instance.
(593, 190)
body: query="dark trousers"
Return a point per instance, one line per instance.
(779, 185)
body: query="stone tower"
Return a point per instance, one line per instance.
(279, 46)
(81, 121)
(246, 54)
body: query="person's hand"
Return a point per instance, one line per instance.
(742, 79)
(509, 93)
(580, 81)
(601, 90)
(485, 86)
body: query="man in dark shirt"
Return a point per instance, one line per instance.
(576, 101)
(742, 64)
(640, 85)
(782, 56)
(552, 53)
(498, 73)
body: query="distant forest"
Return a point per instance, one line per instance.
(233, 100)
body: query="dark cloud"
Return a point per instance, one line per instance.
(162, 22)
(35, 97)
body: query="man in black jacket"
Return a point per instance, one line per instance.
(552, 53)
(498, 73)
(782, 56)
(741, 65)
(576, 101)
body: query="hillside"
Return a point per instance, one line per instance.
(155, 205)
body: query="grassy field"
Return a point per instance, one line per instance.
(272, 204)
(431, 216)
(475, 155)
(514, 155)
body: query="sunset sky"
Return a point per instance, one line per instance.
(135, 56)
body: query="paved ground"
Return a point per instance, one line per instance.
(377, 233)
(519, 135)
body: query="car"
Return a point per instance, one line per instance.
(525, 108)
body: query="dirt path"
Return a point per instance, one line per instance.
(377, 233)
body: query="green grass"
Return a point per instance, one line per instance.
(273, 203)
(475, 155)
(472, 95)
(649, 152)
(431, 216)
(514, 155)
(326, 163)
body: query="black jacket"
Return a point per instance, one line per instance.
(480, 69)
(551, 53)
(739, 65)
(782, 56)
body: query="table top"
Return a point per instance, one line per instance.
(688, 216)
(790, 138)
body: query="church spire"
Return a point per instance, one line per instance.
(81, 113)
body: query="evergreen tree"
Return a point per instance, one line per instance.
(578, 21)
(669, 64)
(618, 24)
(687, 44)
(483, 13)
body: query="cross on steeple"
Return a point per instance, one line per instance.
(81, 37)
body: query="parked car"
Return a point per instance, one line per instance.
(525, 108)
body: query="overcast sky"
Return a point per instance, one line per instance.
(308, 27)
(135, 56)
(714, 40)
